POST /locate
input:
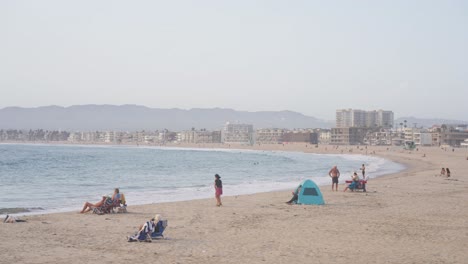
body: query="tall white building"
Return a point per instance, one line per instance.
(361, 118)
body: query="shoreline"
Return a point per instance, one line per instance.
(413, 216)
(262, 187)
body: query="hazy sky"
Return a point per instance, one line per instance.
(311, 57)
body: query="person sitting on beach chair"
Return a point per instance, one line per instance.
(160, 226)
(104, 206)
(145, 231)
(354, 183)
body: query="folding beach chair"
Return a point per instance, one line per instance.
(107, 207)
(122, 206)
(159, 229)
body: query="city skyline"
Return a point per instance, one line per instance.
(307, 57)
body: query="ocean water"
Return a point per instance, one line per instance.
(58, 178)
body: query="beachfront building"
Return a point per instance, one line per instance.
(422, 138)
(269, 136)
(464, 144)
(348, 135)
(378, 138)
(74, 137)
(361, 118)
(237, 134)
(453, 138)
(451, 135)
(109, 137)
(151, 137)
(305, 136)
(324, 136)
(199, 136)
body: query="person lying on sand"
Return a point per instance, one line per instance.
(12, 219)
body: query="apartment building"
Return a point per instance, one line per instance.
(361, 118)
(199, 136)
(237, 134)
(324, 136)
(269, 136)
(452, 135)
(348, 135)
(301, 136)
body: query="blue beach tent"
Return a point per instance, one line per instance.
(310, 194)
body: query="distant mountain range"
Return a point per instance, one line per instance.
(426, 122)
(134, 118)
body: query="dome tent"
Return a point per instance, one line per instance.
(310, 194)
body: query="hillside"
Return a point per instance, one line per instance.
(134, 117)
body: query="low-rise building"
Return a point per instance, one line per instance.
(269, 136)
(348, 135)
(301, 136)
(324, 136)
(199, 136)
(452, 135)
(378, 138)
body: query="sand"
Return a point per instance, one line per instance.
(415, 216)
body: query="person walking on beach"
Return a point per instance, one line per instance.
(334, 173)
(448, 172)
(363, 169)
(218, 185)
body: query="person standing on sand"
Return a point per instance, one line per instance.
(448, 172)
(218, 185)
(334, 173)
(363, 169)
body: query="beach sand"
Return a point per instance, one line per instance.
(414, 216)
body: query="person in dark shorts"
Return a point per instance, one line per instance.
(334, 173)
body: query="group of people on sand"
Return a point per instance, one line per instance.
(146, 230)
(334, 174)
(445, 172)
(116, 197)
